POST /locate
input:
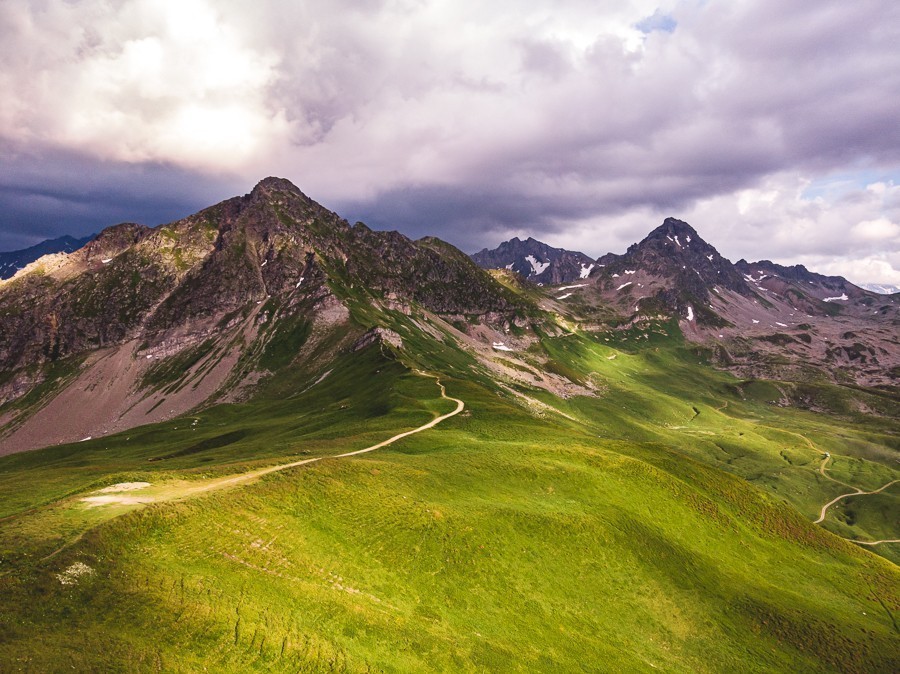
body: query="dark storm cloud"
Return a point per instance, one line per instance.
(567, 120)
(46, 195)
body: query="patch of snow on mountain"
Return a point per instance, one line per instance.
(709, 257)
(783, 325)
(580, 285)
(624, 285)
(688, 238)
(562, 297)
(843, 297)
(500, 346)
(107, 260)
(630, 271)
(690, 314)
(678, 242)
(615, 276)
(754, 320)
(537, 267)
(510, 265)
(585, 270)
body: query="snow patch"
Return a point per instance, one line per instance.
(107, 260)
(562, 297)
(265, 262)
(299, 282)
(580, 285)
(624, 285)
(615, 276)
(754, 320)
(688, 238)
(585, 270)
(678, 242)
(842, 298)
(500, 346)
(783, 325)
(709, 257)
(690, 314)
(510, 265)
(537, 267)
(630, 271)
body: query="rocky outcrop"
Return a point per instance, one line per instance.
(537, 261)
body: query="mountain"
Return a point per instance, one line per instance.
(536, 261)
(881, 288)
(221, 288)
(265, 439)
(13, 261)
(671, 269)
(758, 319)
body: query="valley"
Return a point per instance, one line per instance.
(342, 450)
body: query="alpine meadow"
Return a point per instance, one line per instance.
(260, 438)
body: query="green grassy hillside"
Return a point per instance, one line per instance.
(665, 524)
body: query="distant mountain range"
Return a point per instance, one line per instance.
(13, 261)
(536, 261)
(880, 288)
(295, 444)
(239, 276)
(765, 319)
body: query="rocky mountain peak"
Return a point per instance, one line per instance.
(113, 240)
(674, 268)
(271, 186)
(536, 261)
(674, 227)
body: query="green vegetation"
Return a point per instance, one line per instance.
(614, 539)
(664, 522)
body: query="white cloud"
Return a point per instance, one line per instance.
(555, 118)
(157, 80)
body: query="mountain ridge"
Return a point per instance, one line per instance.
(15, 260)
(290, 443)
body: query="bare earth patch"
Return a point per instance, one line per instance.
(123, 486)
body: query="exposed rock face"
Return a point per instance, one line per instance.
(133, 282)
(537, 261)
(671, 271)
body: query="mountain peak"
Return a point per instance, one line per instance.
(672, 227)
(536, 261)
(272, 184)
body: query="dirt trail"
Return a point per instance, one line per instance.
(857, 492)
(241, 478)
(192, 490)
(253, 474)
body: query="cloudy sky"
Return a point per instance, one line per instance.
(770, 126)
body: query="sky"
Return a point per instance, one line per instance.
(770, 126)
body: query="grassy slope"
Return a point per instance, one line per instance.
(496, 541)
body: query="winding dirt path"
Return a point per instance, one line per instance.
(241, 478)
(253, 474)
(857, 492)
